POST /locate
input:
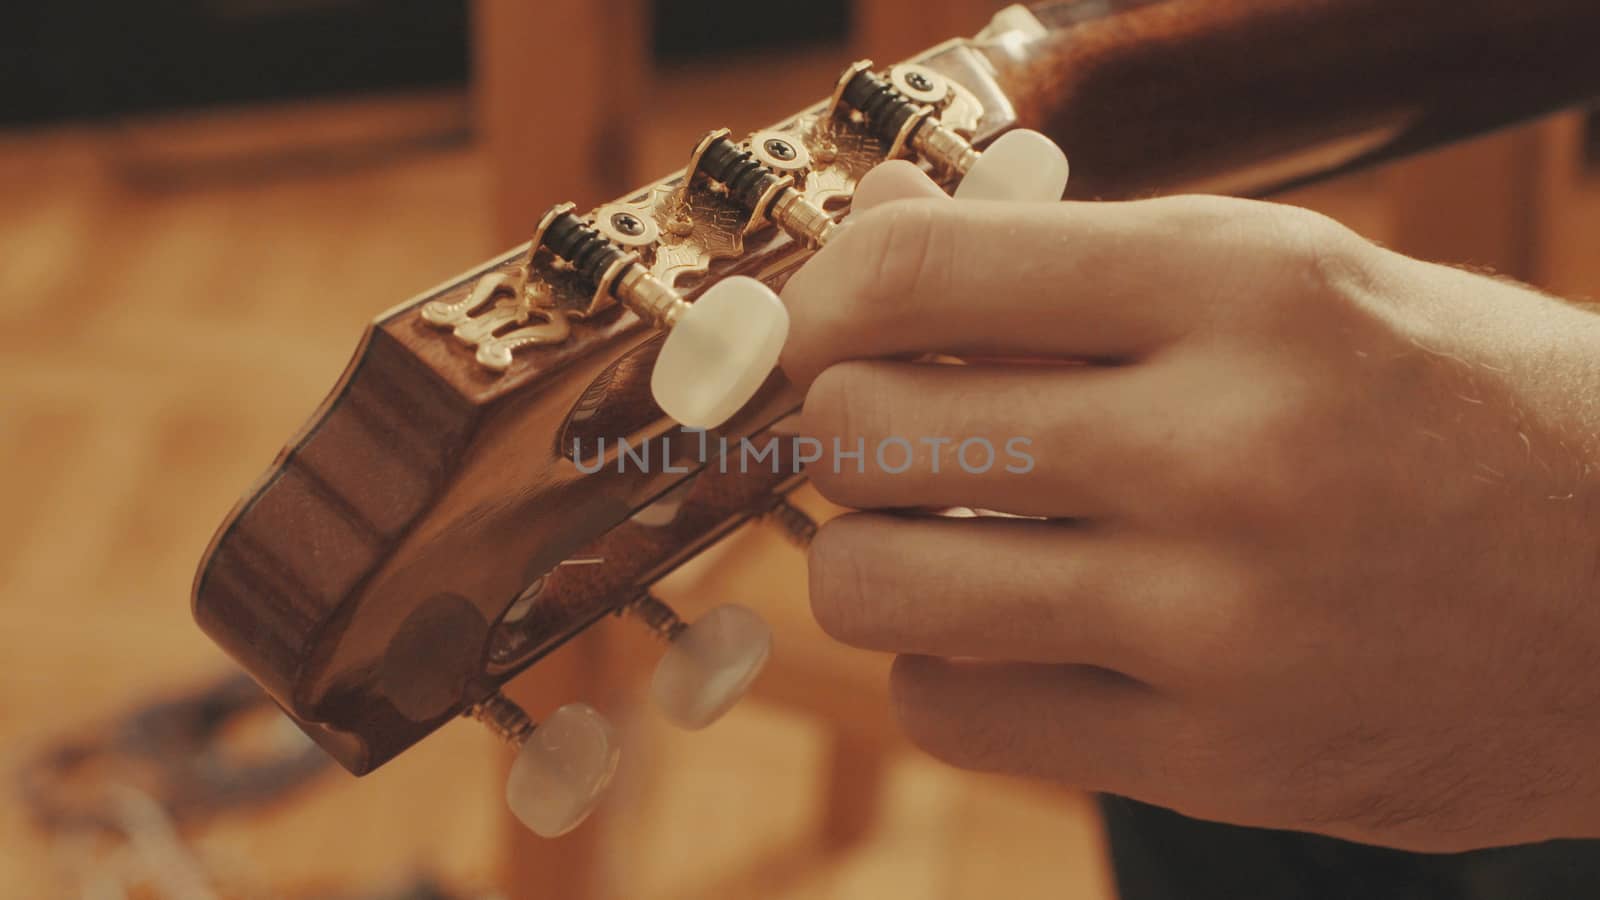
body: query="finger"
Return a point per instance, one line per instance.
(1078, 280)
(1074, 724)
(1014, 590)
(1027, 440)
(897, 179)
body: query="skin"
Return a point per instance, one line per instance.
(1312, 538)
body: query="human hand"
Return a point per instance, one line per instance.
(1318, 526)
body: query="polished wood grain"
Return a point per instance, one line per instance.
(1147, 94)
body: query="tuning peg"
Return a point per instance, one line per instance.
(720, 351)
(563, 765)
(761, 179)
(1020, 166)
(709, 664)
(721, 347)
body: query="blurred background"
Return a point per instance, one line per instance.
(202, 203)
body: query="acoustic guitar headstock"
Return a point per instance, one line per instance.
(504, 462)
(494, 472)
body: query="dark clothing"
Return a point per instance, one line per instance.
(1160, 855)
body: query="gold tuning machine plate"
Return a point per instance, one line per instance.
(797, 175)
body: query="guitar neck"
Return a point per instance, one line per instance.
(1148, 95)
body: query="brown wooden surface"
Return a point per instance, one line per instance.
(884, 30)
(1478, 204)
(1569, 193)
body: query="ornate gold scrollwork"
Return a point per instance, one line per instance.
(677, 228)
(504, 327)
(701, 226)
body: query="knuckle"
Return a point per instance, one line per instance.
(868, 278)
(842, 401)
(1277, 256)
(1206, 214)
(828, 400)
(1320, 253)
(903, 254)
(1314, 263)
(845, 404)
(1223, 235)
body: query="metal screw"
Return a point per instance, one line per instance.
(782, 150)
(628, 224)
(919, 81)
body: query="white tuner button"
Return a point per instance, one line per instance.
(710, 665)
(1020, 166)
(562, 770)
(719, 352)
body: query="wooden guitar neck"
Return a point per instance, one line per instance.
(1146, 95)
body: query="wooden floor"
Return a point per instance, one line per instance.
(157, 346)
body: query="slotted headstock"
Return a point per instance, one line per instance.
(404, 556)
(465, 499)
